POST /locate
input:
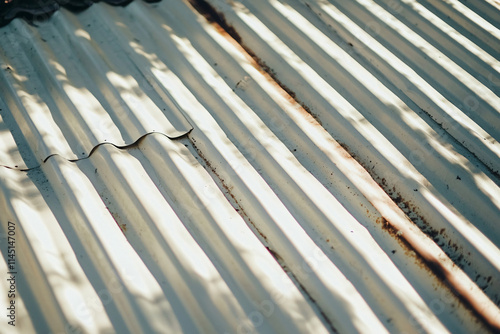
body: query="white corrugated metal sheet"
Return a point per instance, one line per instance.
(330, 167)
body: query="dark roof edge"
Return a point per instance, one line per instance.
(39, 10)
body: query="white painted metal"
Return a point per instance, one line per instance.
(67, 92)
(171, 235)
(182, 263)
(355, 92)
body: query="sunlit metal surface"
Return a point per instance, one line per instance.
(268, 166)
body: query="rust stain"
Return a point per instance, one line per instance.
(263, 237)
(219, 22)
(452, 250)
(433, 268)
(439, 236)
(117, 218)
(235, 203)
(215, 18)
(115, 215)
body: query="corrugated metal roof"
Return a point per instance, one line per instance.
(284, 166)
(67, 92)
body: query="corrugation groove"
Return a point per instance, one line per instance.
(334, 167)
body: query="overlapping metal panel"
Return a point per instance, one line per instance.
(69, 87)
(284, 166)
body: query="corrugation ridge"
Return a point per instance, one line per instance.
(419, 156)
(38, 288)
(21, 94)
(150, 83)
(166, 52)
(333, 293)
(12, 139)
(99, 166)
(105, 53)
(61, 108)
(487, 9)
(223, 255)
(227, 188)
(124, 311)
(25, 324)
(373, 106)
(469, 22)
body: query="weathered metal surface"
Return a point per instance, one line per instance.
(365, 72)
(126, 241)
(316, 191)
(68, 86)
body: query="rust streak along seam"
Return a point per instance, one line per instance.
(226, 190)
(436, 259)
